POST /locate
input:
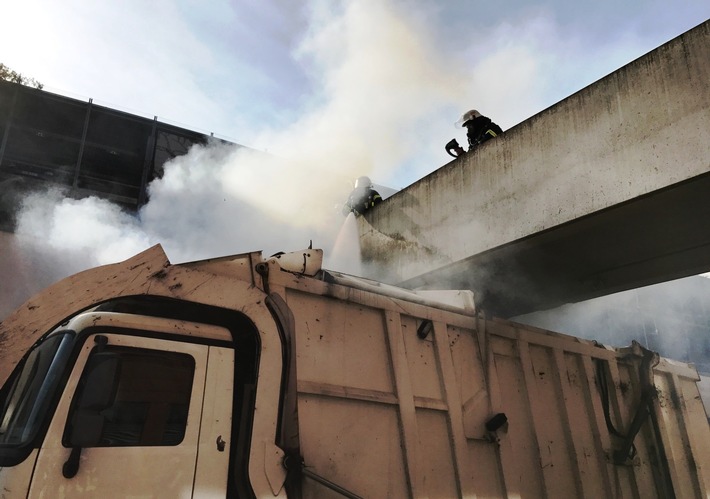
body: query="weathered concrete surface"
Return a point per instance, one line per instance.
(607, 190)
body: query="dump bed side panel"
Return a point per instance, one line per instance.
(402, 398)
(555, 443)
(559, 392)
(394, 400)
(681, 419)
(381, 410)
(348, 407)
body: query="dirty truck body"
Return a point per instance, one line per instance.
(252, 377)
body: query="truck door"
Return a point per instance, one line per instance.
(128, 422)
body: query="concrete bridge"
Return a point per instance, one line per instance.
(605, 191)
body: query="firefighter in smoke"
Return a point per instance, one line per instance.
(479, 129)
(362, 198)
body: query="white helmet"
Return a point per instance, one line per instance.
(363, 182)
(467, 116)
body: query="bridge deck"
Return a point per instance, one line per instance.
(606, 190)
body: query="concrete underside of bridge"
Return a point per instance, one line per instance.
(659, 237)
(605, 191)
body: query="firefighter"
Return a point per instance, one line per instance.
(479, 129)
(362, 198)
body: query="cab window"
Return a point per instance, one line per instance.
(131, 397)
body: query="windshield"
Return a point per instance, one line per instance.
(26, 400)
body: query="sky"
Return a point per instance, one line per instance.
(331, 90)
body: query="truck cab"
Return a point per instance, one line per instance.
(151, 406)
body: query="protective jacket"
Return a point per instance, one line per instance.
(480, 129)
(361, 200)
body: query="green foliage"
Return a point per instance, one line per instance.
(8, 74)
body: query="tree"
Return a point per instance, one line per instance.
(8, 74)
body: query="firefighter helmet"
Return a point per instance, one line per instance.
(467, 116)
(363, 183)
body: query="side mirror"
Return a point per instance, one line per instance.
(96, 392)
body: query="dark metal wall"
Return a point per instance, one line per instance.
(88, 149)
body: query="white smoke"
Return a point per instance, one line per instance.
(88, 225)
(670, 318)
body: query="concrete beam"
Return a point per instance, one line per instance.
(606, 190)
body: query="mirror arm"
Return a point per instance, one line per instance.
(71, 467)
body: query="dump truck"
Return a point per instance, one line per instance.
(252, 376)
